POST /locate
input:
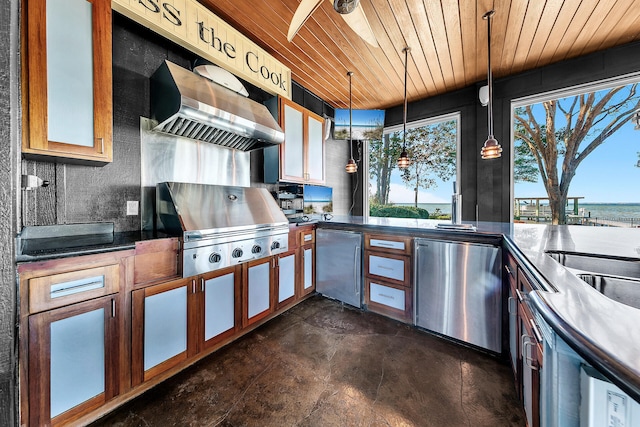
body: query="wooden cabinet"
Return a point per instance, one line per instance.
(525, 341)
(387, 284)
(511, 271)
(307, 270)
(303, 152)
(71, 334)
(68, 108)
(73, 360)
(220, 305)
(257, 290)
(164, 327)
(531, 352)
(286, 279)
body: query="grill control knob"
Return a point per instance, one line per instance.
(256, 249)
(214, 258)
(237, 253)
(275, 245)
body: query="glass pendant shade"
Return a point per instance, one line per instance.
(491, 149)
(403, 160)
(351, 167)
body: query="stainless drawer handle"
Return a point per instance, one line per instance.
(384, 267)
(385, 296)
(61, 290)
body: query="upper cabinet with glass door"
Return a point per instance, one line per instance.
(69, 110)
(302, 154)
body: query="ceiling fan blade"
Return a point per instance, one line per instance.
(360, 25)
(303, 12)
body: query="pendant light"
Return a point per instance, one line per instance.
(352, 166)
(491, 148)
(403, 160)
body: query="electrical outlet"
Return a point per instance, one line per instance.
(132, 207)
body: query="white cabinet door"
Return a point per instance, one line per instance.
(165, 326)
(293, 158)
(219, 305)
(77, 360)
(286, 277)
(315, 147)
(307, 282)
(258, 289)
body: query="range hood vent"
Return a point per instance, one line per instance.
(188, 105)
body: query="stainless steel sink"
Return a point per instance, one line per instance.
(622, 289)
(598, 264)
(616, 278)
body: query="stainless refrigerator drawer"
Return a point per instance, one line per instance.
(339, 265)
(458, 291)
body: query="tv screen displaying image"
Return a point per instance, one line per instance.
(366, 124)
(317, 199)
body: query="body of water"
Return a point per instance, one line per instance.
(611, 210)
(597, 210)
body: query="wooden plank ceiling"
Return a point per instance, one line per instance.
(448, 41)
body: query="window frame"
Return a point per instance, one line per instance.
(454, 115)
(565, 92)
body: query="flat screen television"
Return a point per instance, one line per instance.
(318, 200)
(366, 124)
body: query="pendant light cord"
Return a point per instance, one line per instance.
(404, 120)
(350, 73)
(488, 16)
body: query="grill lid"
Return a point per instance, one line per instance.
(186, 104)
(201, 210)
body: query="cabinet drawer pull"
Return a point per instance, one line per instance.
(520, 296)
(536, 330)
(113, 307)
(509, 272)
(384, 267)
(385, 296)
(77, 286)
(527, 344)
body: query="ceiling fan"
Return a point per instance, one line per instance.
(350, 10)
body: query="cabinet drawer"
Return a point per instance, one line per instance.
(388, 299)
(393, 268)
(58, 290)
(386, 295)
(307, 237)
(386, 243)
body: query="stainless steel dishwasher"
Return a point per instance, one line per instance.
(339, 265)
(458, 291)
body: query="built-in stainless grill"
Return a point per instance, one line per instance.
(221, 225)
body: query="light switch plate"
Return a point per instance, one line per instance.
(132, 207)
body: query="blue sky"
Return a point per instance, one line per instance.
(360, 117)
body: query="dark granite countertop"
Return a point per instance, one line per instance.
(44, 247)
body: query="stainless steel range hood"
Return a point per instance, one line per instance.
(186, 104)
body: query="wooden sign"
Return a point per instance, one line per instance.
(196, 28)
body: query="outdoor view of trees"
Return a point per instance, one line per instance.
(552, 138)
(432, 150)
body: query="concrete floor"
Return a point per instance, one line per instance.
(322, 364)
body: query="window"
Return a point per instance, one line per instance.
(424, 189)
(575, 155)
